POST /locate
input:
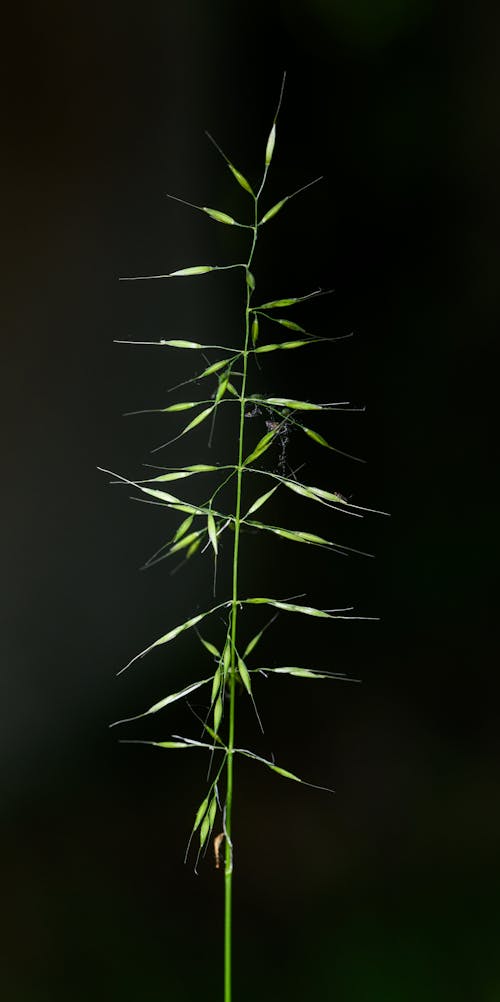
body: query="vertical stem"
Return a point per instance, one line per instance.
(228, 873)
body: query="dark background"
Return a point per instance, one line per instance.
(389, 890)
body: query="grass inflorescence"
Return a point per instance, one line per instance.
(202, 525)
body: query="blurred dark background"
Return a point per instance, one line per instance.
(388, 890)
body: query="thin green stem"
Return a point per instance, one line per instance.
(228, 877)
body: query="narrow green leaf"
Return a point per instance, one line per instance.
(255, 330)
(270, 145)
(245, 677)
(261, 446)
(272, 212)
(260, 501)
(212, 532)
(198, 269)
(220, 217)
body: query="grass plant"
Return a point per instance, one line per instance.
(203, 525)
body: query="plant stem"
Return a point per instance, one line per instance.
(228, 875)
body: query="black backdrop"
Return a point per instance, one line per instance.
(388, 890)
